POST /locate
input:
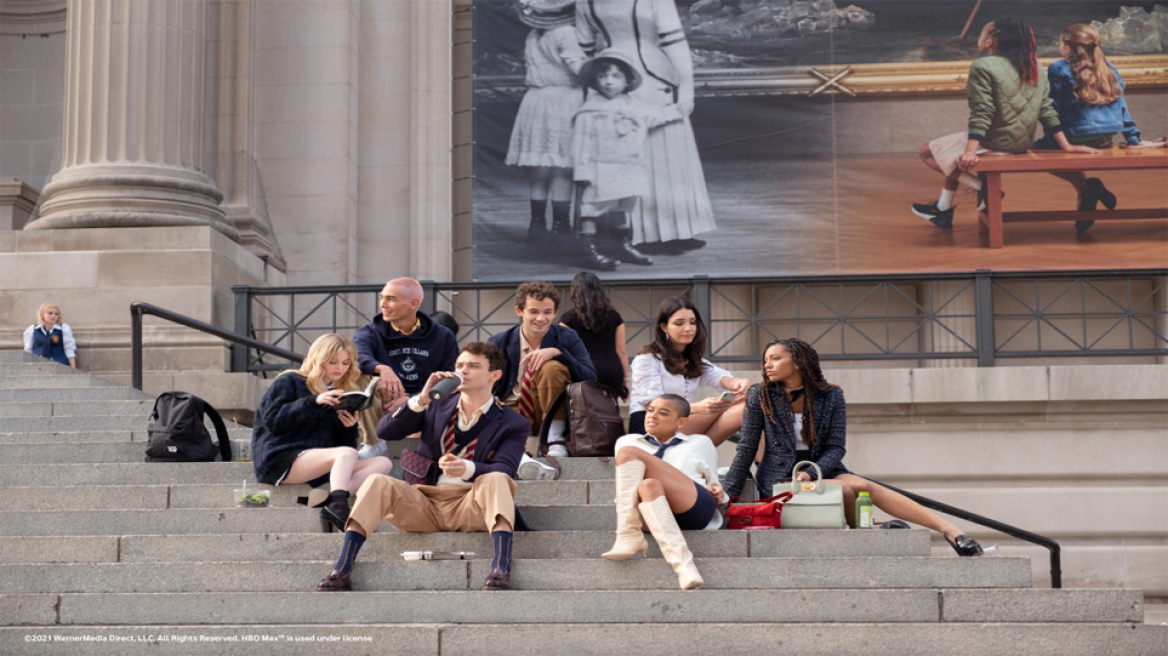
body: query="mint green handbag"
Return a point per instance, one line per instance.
(813, 504)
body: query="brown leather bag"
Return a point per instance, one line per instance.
(594, 420)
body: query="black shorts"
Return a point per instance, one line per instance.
(698, 516)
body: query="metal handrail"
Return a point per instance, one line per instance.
(1056, 570)
(139, 309)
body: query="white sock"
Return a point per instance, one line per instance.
(557, 431)
(946, 199)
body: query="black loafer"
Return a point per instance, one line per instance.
(334, 582)
(965, 546)
(497, 580)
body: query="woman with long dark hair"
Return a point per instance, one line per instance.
(602, 330)
(802, 417)
(673, 363)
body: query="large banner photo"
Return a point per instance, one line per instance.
(667, 138)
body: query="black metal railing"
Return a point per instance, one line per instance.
(979, 316)
(139, 310)
(1056, 568)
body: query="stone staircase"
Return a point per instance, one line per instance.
(101, 553)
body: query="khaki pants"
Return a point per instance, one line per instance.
(427, 508)
(547, 383)
(367, 419)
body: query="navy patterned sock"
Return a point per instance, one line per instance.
(349, 549)
(501, 559)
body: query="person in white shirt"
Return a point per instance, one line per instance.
(674, 478)
(673, 363)
(50, 338)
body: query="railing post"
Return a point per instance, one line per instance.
(429, 296)
(983, 285)
(701, 300)
(240, 353)
(135, 347)
(1056, 567)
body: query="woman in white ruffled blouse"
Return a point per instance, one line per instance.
(673, 364)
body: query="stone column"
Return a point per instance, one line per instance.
(133, 146)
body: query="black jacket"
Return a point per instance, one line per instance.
(412, 357)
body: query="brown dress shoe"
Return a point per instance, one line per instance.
(497, 580)
(334, 581)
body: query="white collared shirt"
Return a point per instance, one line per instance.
(651, 379)
(66, 337)
(696, 457)
(464, 424)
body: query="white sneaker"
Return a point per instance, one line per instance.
(373, 450)
(558, 451)
(531, 469)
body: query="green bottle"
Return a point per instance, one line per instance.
(863, 511)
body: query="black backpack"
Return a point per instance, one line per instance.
(176, 432)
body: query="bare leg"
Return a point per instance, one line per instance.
(366, 468)
(538, 178)
(897, 505)
(926, 155)
(661, 479)
(559, 185)
(1078, 179)
(718, 427)
(337, 462)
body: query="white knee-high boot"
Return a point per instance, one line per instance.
(669, 537)
(629, 538)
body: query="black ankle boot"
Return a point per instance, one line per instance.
(537, 230)
(623, 246)
(336, 511)
(594, 257)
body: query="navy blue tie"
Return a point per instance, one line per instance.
(662, 447)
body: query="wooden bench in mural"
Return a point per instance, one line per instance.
(992, 218)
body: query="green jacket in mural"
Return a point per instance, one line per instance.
(1003, 111)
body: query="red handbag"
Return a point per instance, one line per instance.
(757, 515)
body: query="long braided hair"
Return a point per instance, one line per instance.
(814, 385)
(1016, 42)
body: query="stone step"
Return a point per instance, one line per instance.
(41, 367)
(45, 424)
(99, 408)
(180, 521)
(582, 638)
(64, 394)
(158, 473)
(143, 497)
(389, 545)
(527, 574)
(121, 437)
(65, 380)
(596, 606)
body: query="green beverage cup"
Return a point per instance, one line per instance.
(863, 510)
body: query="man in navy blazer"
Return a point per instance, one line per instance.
(555, 355)
(476, 442)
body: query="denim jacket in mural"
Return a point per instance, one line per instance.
(1079, 118)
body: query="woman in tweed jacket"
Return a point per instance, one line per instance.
(795, 400)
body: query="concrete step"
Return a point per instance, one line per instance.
(583, 638)
(45, 408)
(75, 437)
(178, 521)
(158, 473)
(142, 497)
(46, 424)
(598, 606)
(42, 367)
(64, 380)
(389, 545)
(81, 452)
(527, 574)
(63, 394)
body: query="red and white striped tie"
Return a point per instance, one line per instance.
(526, 398)
(448, 440)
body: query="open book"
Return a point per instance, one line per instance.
(357, 401)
